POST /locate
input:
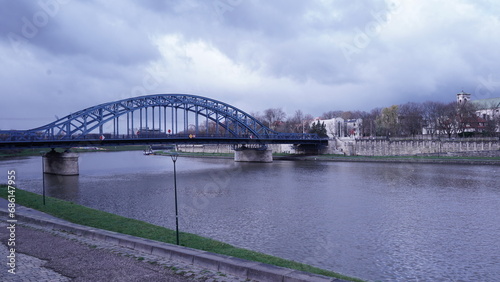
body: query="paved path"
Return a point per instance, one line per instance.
(51, 249)
(48, 255)
(44, 254)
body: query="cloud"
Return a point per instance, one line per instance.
(60, 56)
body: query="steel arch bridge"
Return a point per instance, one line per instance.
(154, 119)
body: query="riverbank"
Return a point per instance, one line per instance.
(102, 220)
(377, 159)
(282, 156)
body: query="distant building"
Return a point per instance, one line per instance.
(486, 110)
(463, 97)
(341, 128)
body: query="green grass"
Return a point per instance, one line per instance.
(98, 219)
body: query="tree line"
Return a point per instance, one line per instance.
(406, 120)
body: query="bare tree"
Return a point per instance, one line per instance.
(274, 117)
(410, 117)
(295, 124)
(467, 120)
(331, 114)
(448, 121)
(432, 111)
(368, 125)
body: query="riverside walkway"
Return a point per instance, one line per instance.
(51, 249)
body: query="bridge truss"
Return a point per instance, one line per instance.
(153, 119)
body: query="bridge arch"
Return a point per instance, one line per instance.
(171, 112)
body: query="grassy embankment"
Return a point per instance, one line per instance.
(90, 217)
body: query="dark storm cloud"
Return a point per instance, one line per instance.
(76, 29)
(312, 55)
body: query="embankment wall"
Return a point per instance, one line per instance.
(449, 147)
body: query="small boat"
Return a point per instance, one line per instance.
(149, 152)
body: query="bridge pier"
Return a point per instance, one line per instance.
(65, 163)
(253, 155)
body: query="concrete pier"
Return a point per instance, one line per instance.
(253, 155)
(65, 163)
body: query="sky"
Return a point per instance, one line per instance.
(61, 56)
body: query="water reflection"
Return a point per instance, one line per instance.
(62, 187)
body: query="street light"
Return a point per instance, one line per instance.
(43, 176)
(174, 159)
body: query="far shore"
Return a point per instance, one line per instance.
(286, 157)
(343, 158)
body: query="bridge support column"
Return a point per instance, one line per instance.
(253, 155)
(60, 163)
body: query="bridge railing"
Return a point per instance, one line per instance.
(31, 136)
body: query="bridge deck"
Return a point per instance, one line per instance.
(68, 143)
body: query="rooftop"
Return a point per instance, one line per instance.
(491, 103)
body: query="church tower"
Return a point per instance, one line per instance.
(463, 97)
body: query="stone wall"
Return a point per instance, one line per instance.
(384, 147)
(223, 148)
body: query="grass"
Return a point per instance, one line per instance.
(98, 219)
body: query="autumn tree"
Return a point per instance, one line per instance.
(387, 121)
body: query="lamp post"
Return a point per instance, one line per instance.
(43, 176)
(174, 159)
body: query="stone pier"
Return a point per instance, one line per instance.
(65, 163)
(253, 155)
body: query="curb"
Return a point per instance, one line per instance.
(225, 264)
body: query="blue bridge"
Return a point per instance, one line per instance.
(155, 119)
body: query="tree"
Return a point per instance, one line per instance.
(331, 114)
(447, 122)
(368, 126)
(297, 123)
(467, 118)
(387, 121)
(431, 112)
(274, 117)
(319, 128)
(410, 116)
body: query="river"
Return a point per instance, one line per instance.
(375, 221)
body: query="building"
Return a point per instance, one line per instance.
(487, 108)
(463, 97)
(487, 112)
(341, 128)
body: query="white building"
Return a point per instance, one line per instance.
(340, 128)
(485, 108)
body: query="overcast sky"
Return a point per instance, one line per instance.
(61, 56)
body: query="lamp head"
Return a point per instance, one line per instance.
(174, 156)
